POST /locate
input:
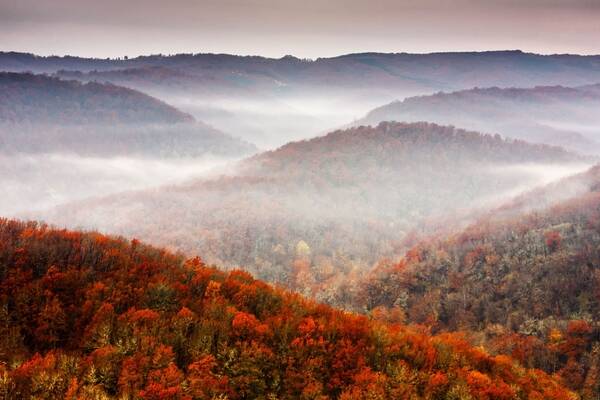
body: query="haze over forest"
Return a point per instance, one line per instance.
(267, 200)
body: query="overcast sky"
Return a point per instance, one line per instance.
(305, 28)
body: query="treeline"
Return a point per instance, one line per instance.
(83, 315)
(525, 284)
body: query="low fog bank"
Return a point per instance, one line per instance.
(533, 175)
(33, 183)
(272, 121)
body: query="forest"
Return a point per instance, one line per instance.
(83, 315)
(524, 283)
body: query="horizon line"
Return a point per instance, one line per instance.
(291, 56)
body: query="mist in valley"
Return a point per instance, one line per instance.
(32, 183)
(272, 118)
(316, 215)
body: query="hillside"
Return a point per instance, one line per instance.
(461, 70)
(28, 98)
(42, 114)
(527, 283)
(314, 214)
(554, 115)
(88, 316)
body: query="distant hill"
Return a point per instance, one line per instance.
(270, 102)
(28, 98)
(89, 316)
(314, 213)
(555, 115)
(527, 283)
(460, 70)
(39, 113)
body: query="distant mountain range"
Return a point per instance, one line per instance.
(556, 115)
(270, 102)
(399, 70)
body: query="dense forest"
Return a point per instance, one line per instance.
(525, 283)
(556, 115)
(84, 315)
(315, 215)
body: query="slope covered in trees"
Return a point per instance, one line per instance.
(44, 114)
(83, 315)
(315, 214)
(28, 98)
(527, 283)
(553, 115)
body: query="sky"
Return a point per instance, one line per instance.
(304, 28)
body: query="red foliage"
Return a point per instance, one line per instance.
(228, 335)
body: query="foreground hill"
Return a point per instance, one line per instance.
(44, 114)
(528, 283)
(315, 213)
(88, 316)
(553, 115)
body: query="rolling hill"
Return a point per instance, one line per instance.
(527, 283)
(314, 214)
(42, 114)
(84, 315)
(554, 115)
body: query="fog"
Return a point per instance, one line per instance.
(554, 115)
(33, 183)
(272, 121)
(178, 161)
(351, 197)
(536, 175)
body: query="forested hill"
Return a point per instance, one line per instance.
(84, 315)
(28, 98)
(43, 114)
(314, 214)
(556, 115)
(527, 283)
